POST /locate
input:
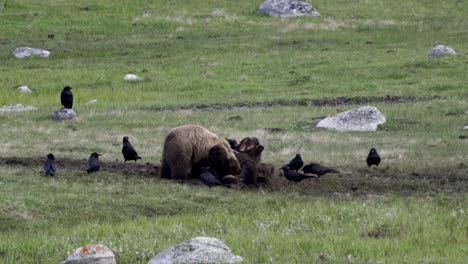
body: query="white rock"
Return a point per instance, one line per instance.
(366, 118)
(197, 250)
(16, 108)
(24, 89)
(465, 127)
(91, 254)
(132, 78)
(287, 8)
(91, 102)
(63, 114)
(23, 52)
(441, 50)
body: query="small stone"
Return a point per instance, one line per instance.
(465, 127)
(132, 78)
(441, 50)
(16, 108)
(63, 114)
(287, 8)
(91, 254)
(24, 89)
(197, 250)
(23, 52)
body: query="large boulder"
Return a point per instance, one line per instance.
(287, 8)
(16, 108)
(23, 52)
(91, 254)
(441, 50)
(197, 250)
(63, 114)
(366, 118)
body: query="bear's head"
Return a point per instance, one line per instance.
(223, 161)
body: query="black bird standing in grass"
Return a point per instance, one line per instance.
(66, 97)
(373, 158)
(293, 176)
(128, 151)
(296, 163)
(317, 169)
(93, 162)
(50, 166)
(205, 176)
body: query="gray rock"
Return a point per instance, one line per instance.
(441, 50)
(366, 118)
(287, 8)
(63, 114)
(24, 89)
(197, 250)
(16, 108)
(132, 78)
(23, 52)
(91, 254)
(465, 127)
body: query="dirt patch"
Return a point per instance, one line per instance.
(125, 168)
(389, 99)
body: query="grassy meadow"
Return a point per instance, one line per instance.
(220, 65)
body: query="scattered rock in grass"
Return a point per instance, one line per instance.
(24, 89)
(91, 254)
(441, 50)
(132, 78)
(23, 52)
(16, 108)
(94, 101)
(287, 8)
(63, 114)
(366, 118)
(197, 250)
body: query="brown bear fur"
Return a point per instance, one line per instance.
(266, 172)
(249, 157)
(187, 145)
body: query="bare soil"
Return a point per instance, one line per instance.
(389, 99)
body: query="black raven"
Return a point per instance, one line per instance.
(66, 97)
(93, 162)
(317, 169)
(373, 158)
(292, 175)
(50, 166)
(232, 143)
(296, 163)
(128, 151)
(205, 176)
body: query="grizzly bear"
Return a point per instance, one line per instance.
(188, 145)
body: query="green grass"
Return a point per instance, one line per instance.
(198, 59)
